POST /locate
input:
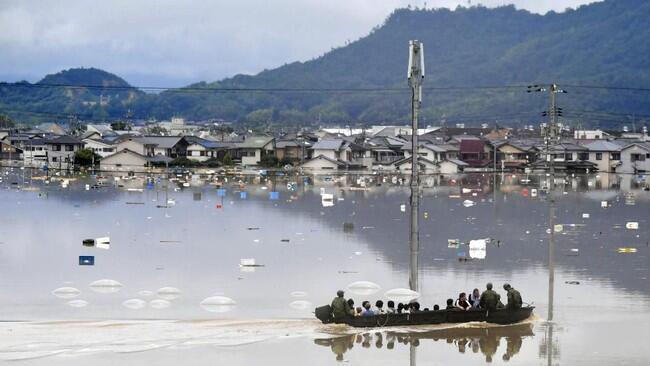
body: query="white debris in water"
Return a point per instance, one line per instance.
(106, 286)
(218, 304)
(632, 225)
(585, 215)
(478, 248)
(159, 304)
(66, 292)
(401, 295)
(468, 203)
(169, 293)
(301, 305)
(78, 303)
(363, 288)
(134, 304)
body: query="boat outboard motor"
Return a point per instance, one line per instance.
(324, 313)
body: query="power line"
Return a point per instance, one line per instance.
(229, 90)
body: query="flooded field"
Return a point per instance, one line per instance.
(166, 283)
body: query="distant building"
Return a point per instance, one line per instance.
(61, 150)
(253, 149)
(590, 135)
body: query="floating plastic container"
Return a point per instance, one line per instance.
(86, 260)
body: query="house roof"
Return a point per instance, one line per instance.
(602, 145)
(208, 144)
(643, 145)
(163, 142)
(254, 142)
(328, 144)
(125, 151)
(408, 160)
(457, 162)
(65, 139)
(472, 146)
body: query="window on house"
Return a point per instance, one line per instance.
(583, 156)
(616, 156)
(56, 147)
(599, 156)
(202, 153)
(568, 156)
(69, 147)
(637, 157)
(54, 159)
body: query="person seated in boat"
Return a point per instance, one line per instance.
(379, 307)
(475, 298)
(489, 298)
(436, 307)
(390, 308)
(405, 308)
(358, 311)
(340, 307)
(415, 307)
(462, 303)
(367, 311)
(514, 297)
(450, 304)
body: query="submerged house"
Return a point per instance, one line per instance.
(253, 149)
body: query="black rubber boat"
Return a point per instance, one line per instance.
(499, 316)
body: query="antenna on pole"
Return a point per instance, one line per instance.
(415, 75)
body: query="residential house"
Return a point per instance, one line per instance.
(566, 156)
(514, 155)
(635, 158)
(293, 150)
(61, 150)
(10, 152)
(203, 150)
(330, 148)
(125, 160)
(475, 152)
(253, 149)
(605, 154)
(590, 135)
(168, 146)
(100, 147)
(322, 162)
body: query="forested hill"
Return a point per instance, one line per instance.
(466, 50)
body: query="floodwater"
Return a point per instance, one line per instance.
(174, 289)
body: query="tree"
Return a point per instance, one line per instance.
(158, 130)
(86, 157)
(6, 122)
(120, 126)
(227, 159)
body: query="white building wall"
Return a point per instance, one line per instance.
(252, 160)
(123, 162)
(327, 153)
(627, 166)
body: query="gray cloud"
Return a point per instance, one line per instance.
(165, 42)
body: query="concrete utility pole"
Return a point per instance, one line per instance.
(415, 79)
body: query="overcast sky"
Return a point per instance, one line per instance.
(173, 43)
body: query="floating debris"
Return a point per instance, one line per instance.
(252, 228)
(585, 215)
(249, 262)
(103, 242)
(572, 282)
(453, 243)
(626, 250)
(573, 252)
(86, 260)
(88, 242)
(632, 225)
(603, 204)
(478, 249)
(468, 203)
(66, 292)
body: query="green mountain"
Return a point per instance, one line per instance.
(471, 54)
(88, 93)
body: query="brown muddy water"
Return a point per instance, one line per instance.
(177, 293)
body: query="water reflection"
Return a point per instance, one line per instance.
(492, 342)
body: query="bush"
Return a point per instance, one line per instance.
(84, 157)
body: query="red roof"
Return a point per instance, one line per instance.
(471, 146)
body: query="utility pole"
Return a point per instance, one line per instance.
(415, 78)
